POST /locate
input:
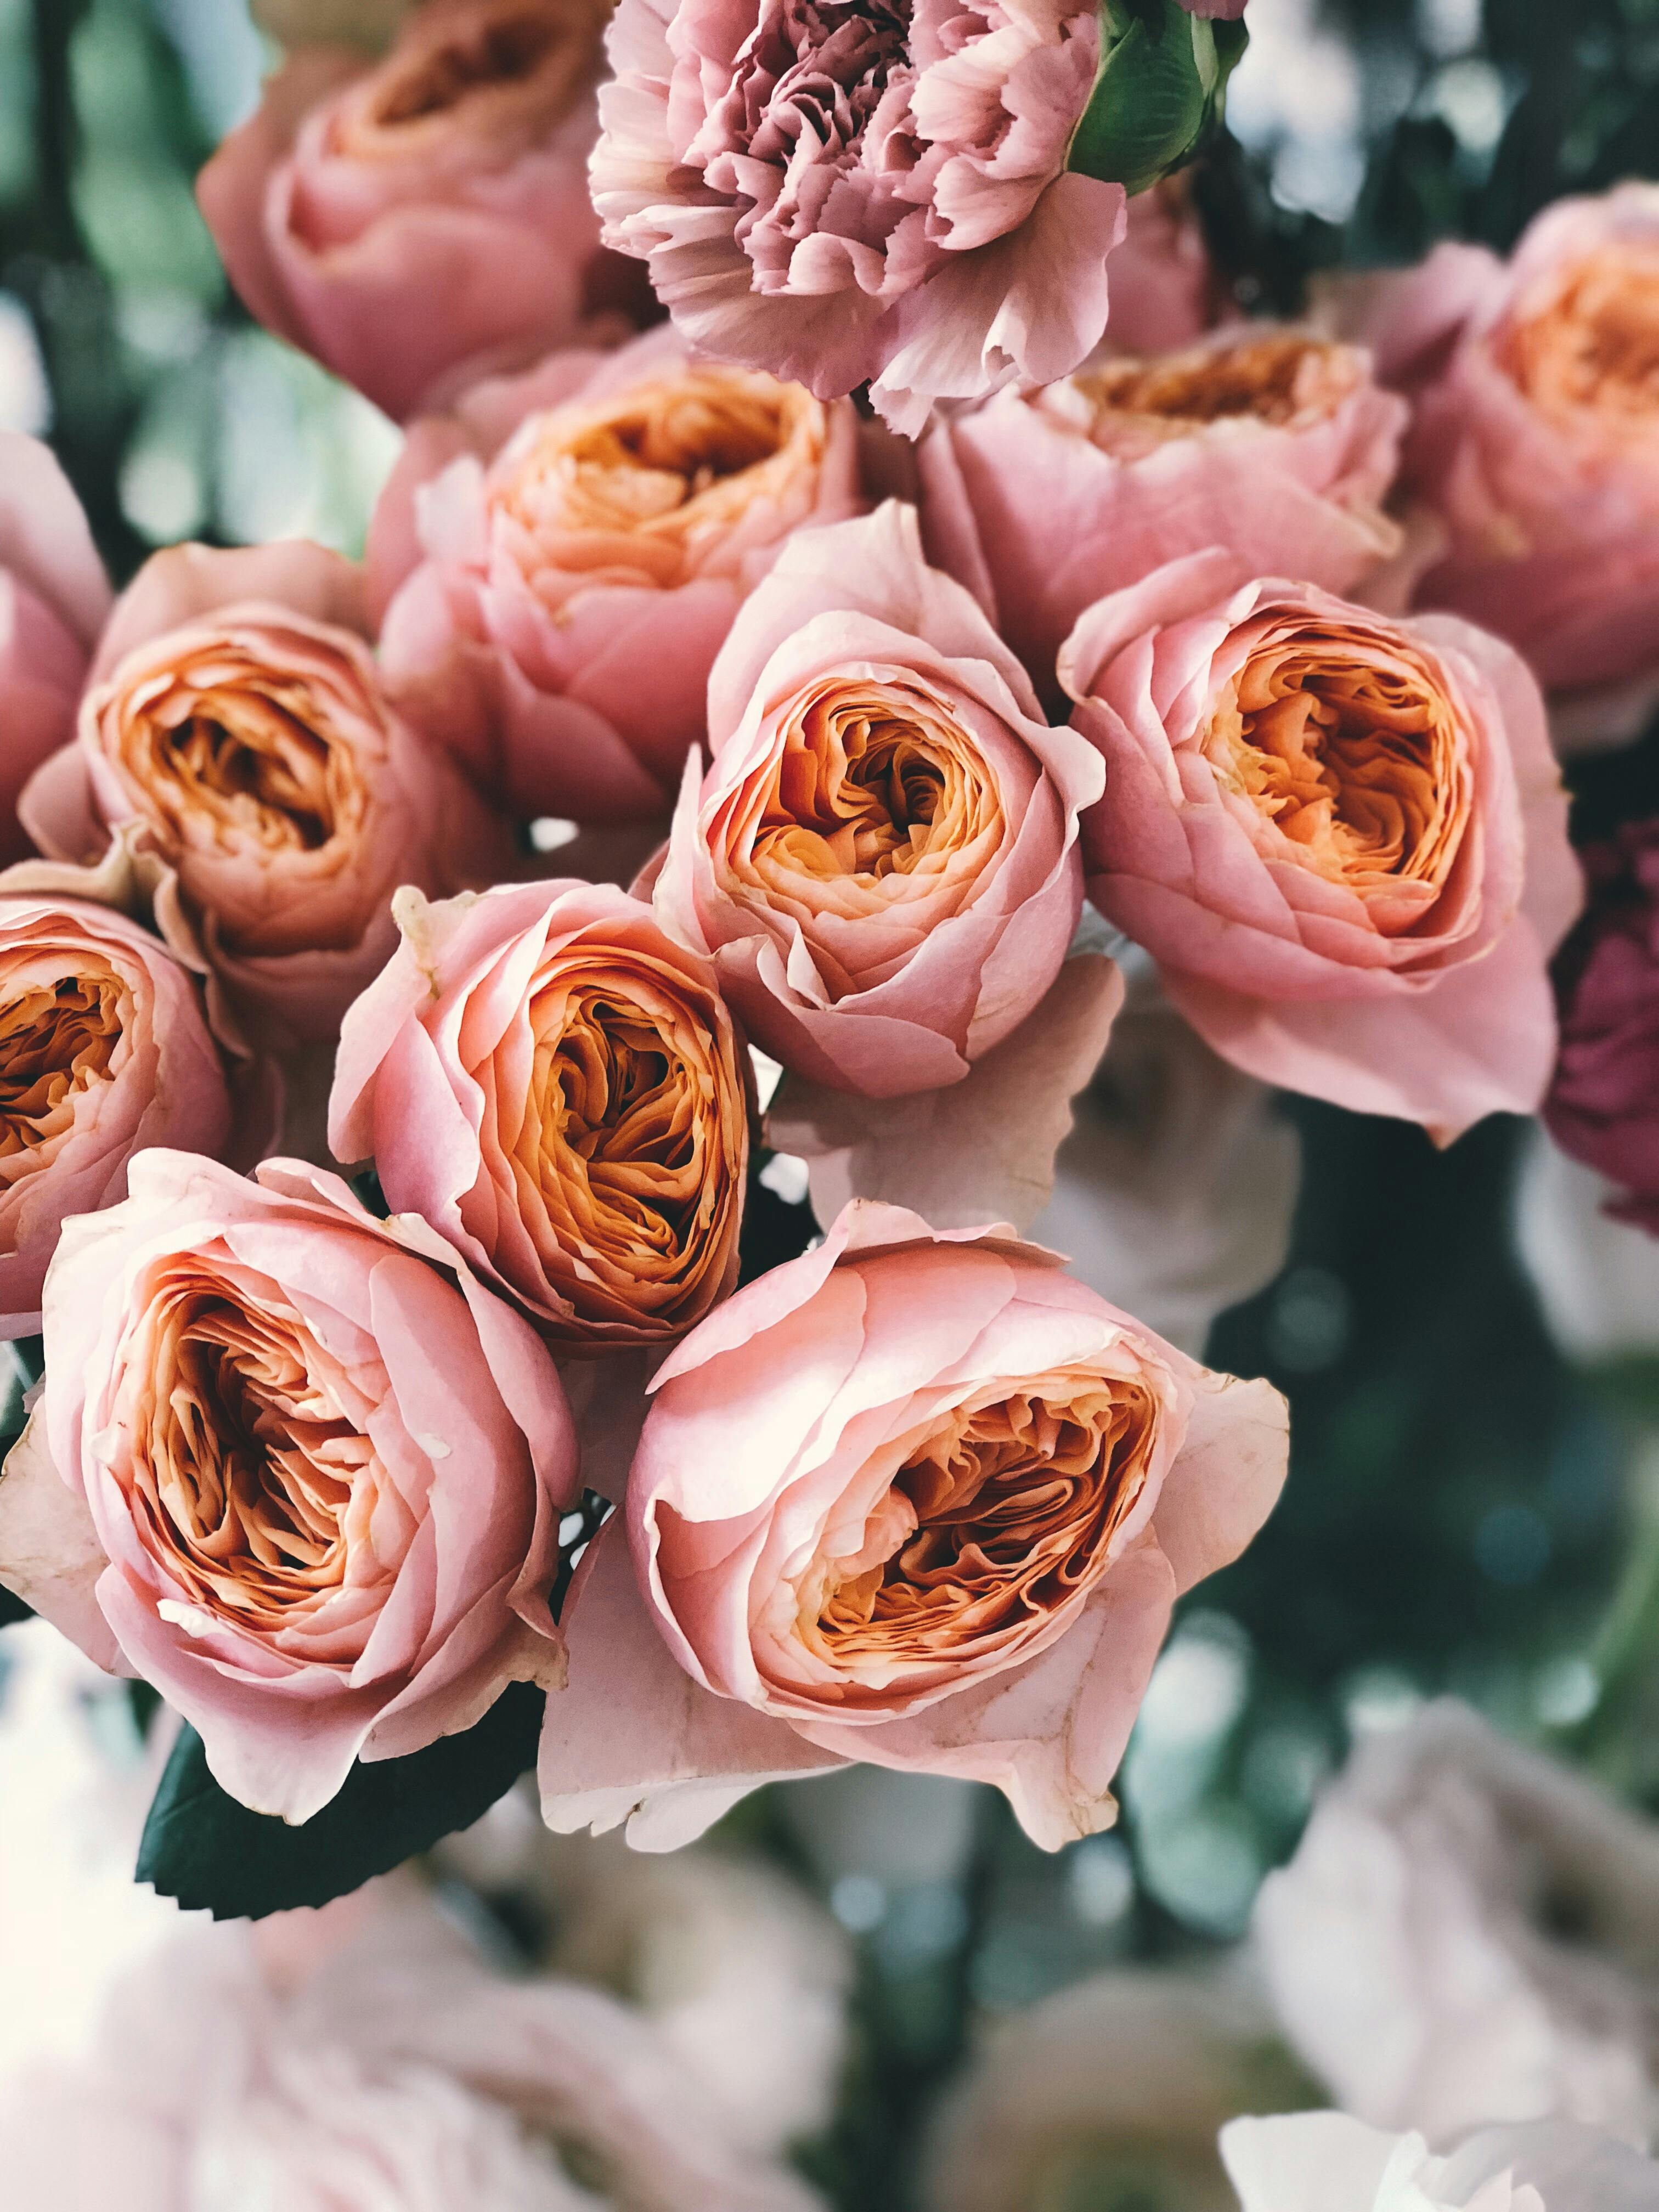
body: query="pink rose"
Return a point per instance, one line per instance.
(1535, 439)
(236, 726)
(424, 219)
(1343, 839)
(838, 197)
(1603, 1105)
(1166, 290)
(565, 553)
(915, 1499)
(882, 860)
(104, 1050)
(293, 1466)
(552, 1082)
(54, 599)
(1268, 442)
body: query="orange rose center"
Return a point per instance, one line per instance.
(632, 1155)
(57, 1041)
(252, 1474)
(1355, 756)
(1589, 346)
(1283, 379)
(517, 67)
(879, 796)
(1000, 1516)
(647, 479)
(221, 752)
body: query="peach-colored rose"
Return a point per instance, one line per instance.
(915, 1499)
(1535, 439)
(1270, 441)
(1343, 839)
(552, 1082)
(104, 1049)
(236, 723)
(565, 553)
(54, 599)
(296, 1466)
(882, 859)
(425, 219)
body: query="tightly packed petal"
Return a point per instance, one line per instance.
(555, 1085)
(844, 196)
(1343, 839)
(1415, 1949)
(53, 600)
(1535, 439)
(426, 218)
(1603, 1104)
(365, 2060)
(104, 1050)
(564, 554)
(915, 1499)
(322, 1465)
(882, 858)
(237, 723)
(1272, 443)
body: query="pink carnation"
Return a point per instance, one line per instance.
(1343, 839)
(564, 554)
(811, 1579)
(296, 1466)
(1603, 1106)
(1535, 441)
(882, 860)
(1268, 442)
(842, 196)
(425, 218)
(53, 600)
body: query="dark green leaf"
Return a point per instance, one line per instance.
(1159, 87)
(201, 1847)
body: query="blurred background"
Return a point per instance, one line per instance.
(1473, 1504)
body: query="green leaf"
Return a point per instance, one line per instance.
(1160, 86)
(201, 1847)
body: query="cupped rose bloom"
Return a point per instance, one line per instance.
(1327, 2162)
(293, 1466)
(236, 724)
(553, 1082)
(914, 1498)
(366, 2060)
(54, 598)
(882, 858)
(1115, 2088)
(1469, 1932)
(878, 197)
(1603, 1103)
(1343, 839)
(564, 554)
(1535, 439)
(1272, 442)
(425, 219)
(104, 1050)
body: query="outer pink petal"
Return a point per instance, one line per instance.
(50, 1553)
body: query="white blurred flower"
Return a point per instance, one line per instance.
(1469, 1933)
(362, 2060)
(1596, 1279)
(1174, 1191)
(75, 1785)
(743, 1976)
(1327, 2162)
(1110, 2093)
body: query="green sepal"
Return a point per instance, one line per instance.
(1161, 84)
(201, 1847)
